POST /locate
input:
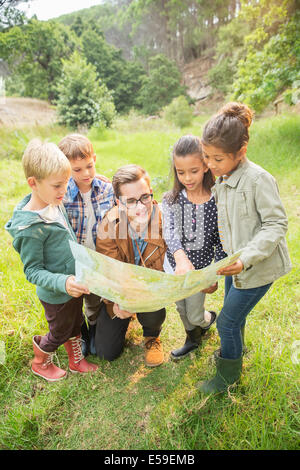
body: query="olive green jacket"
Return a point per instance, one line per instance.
(251, 217)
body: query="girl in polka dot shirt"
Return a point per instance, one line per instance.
(191, 234)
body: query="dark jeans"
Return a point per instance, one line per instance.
(110, 334)
(64, 322)
(237, 304)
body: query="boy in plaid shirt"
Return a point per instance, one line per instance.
(87, 200)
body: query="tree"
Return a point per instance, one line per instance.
(161, 85)
(10, 15)
(272, 60)
(122, 78)
(265, 73)
(83, 100)
(230, 49)
(34, 53)
(180, 29)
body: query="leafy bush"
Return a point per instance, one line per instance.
(292, 95)
(265, 73)
(83, 100)
(161, 85)
(33, 53)
(121, 77)
(230, 49)
(179, 112)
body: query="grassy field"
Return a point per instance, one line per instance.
(126, 405)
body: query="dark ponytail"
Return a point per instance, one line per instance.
(229, 129)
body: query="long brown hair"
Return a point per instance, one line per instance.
(187, 145)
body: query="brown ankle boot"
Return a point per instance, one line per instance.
(154, 354)
(42, 364)
(77, 362)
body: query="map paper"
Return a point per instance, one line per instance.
(138, 289)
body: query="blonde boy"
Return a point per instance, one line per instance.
(41, 233)
(87, 200)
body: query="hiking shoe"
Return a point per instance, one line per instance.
(154, 354)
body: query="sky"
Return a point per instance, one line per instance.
(46, 9)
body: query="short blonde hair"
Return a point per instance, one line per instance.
(42, 159)
(76, 146)
(128, 174)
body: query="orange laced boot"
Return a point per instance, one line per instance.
(77, 362)
(154, 354)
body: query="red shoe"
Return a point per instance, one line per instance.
(42, 364)
(77, 362)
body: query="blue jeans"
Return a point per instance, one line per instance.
(237, 304)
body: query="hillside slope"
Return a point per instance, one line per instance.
(19, 112)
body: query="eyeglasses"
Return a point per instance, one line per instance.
(131, 203)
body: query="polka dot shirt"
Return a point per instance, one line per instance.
(193, 228)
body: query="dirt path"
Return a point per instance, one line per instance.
(20, 112)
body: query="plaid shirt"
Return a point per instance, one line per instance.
(102, 198)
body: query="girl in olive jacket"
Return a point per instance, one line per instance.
(252, 219)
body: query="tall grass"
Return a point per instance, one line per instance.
(125, 405)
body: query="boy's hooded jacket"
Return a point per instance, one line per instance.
(45, 252)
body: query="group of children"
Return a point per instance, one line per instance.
(220, 203)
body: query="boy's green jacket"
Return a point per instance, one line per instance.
(45, 252)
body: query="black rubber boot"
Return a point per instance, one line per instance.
(192, 342)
